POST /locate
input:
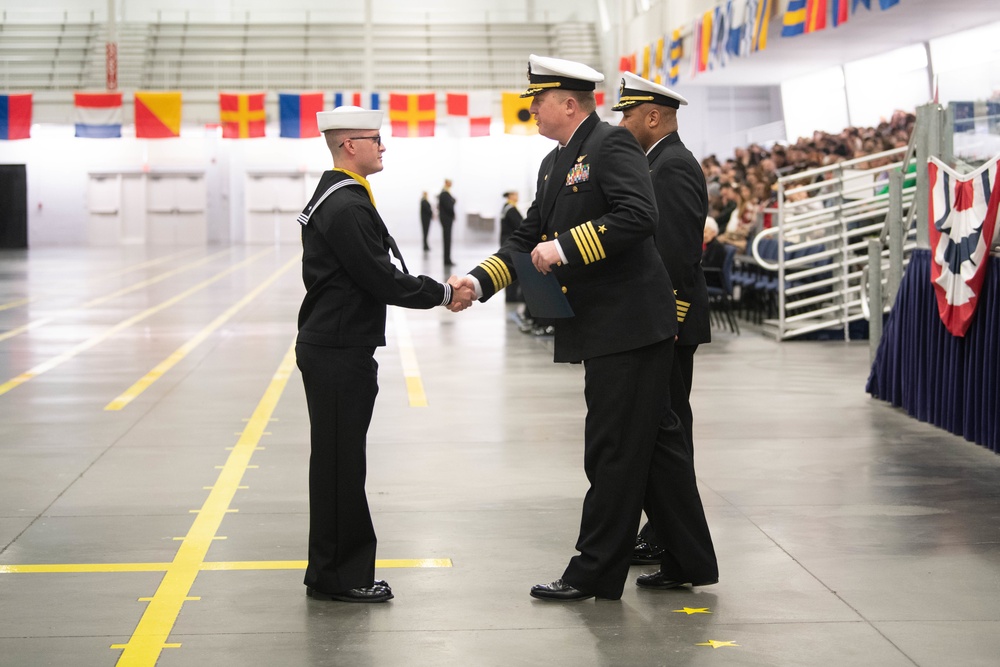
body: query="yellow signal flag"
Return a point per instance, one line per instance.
(516, 117)
(157, 114)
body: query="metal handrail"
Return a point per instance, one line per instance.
(799, 175)
(911, 155)
(822, 229)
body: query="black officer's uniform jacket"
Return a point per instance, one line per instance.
(682, 200)
(347, 271)
(595, 196)
(446, 207)
(510, 219)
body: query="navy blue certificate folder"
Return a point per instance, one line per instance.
(542, 292)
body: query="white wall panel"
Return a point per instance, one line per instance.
(816, 102)
(894, 80)
(967, 64)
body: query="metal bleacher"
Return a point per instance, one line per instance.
(202, 56)
(809, 269)
(46, 56)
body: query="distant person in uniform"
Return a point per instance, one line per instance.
(349, 280)
(446, 214)
(592, 225)
(649, 112)
(510, 220)
(426, 214)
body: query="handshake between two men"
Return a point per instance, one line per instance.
(463, 293)
(544, 257)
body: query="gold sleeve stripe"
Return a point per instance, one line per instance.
(497, 271)
(588, 242)
(591, 234)
(584, 248)
(682, 309)
(588, 234)
(502, 268)
(597, 239)
(491, 272)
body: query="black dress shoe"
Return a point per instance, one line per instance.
(661, 581)
(558, 590)
(376, 593)
(646, 553)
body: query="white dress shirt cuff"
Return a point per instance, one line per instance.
(559, 249)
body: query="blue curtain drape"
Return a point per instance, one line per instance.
(951, 382)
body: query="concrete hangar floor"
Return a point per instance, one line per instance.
(153, 457)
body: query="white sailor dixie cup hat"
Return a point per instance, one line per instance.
(348, 118)
(545, 73)
(636, 90)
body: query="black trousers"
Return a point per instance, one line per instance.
(341, 385)
(635, 457)
(681, 376)
(682, 532)
(425, 227)
(446, 226)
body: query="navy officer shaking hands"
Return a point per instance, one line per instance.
(592, 224)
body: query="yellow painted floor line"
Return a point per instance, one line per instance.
(143, 383)
(148, 263)
(124, 324)
(216, 566)
(83, 568)
(15, 304)
(153, 630)
(155, 279)
(411, 370)
(34, 324)
(128, 269)
(301, 564)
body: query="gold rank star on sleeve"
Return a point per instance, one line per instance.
(497, 271)
(588, 243)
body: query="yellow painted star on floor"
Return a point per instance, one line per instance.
(692, 610)
(716, 644)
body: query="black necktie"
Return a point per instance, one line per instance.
(552, 172)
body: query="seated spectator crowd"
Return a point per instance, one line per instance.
(742, 193)
(742, 187)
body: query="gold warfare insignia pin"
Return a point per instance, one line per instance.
(581, 158)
